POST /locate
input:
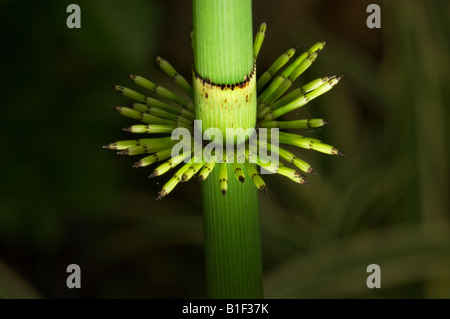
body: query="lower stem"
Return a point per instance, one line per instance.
(232, 238)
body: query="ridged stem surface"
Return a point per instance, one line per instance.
(223, 54)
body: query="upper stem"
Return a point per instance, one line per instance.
(223, 39)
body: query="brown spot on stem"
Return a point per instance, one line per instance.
(161, 194)
(155, 173)
(242, 84)
(263, 188)
(137, 164)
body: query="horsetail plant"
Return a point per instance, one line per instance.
(161, 117)
(225, 93)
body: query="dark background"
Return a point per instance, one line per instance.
(64, 199)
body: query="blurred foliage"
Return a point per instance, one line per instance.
(63, 199)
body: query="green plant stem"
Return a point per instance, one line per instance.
(232, 239)
(223, 48)
(223, 53)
